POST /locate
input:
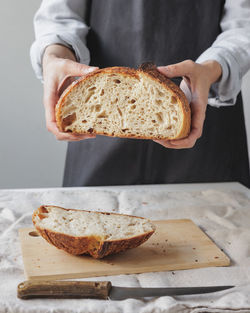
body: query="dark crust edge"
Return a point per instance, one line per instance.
(91, 245)
(148, 69)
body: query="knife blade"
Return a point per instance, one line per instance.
(121, 293)
(101, 290)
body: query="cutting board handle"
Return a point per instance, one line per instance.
(63, 289)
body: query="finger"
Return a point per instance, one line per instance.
(52, 127)
(195, 133)
(186, 89)
(198, 114)
(184, 68)
(68, 80)
(73, 70)
(170, 145)
(165, 143)
(50, 101)
(187, 142)
(198, 117)
(69, 137)
(77, 69)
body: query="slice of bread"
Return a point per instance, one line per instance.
(124, 102)
(87, 232)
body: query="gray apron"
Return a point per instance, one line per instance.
(128, 33)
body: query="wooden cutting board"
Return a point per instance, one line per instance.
(176, 245)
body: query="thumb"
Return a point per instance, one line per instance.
(177, 70)
(78, 69)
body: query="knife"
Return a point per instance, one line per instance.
(101, 290)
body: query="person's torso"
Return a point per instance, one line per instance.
(128, 33)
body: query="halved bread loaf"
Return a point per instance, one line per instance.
(86, 232)
(125, 102)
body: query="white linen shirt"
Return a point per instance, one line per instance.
(62, 22)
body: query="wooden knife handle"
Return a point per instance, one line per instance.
(63, 289)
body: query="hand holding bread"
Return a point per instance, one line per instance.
(59, 66)
(199, 77)
(168, 127)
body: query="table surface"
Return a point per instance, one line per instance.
(222, 210)
(167, 187)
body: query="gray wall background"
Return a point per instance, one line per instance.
(29, 155)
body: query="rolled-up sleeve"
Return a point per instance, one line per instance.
(60, 22)
(232, 50)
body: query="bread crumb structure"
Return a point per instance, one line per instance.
(87, 232)
(125, 102)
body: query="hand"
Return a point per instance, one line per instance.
(59, 70)
(199, 78)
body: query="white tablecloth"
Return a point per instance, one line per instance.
(221, 210)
